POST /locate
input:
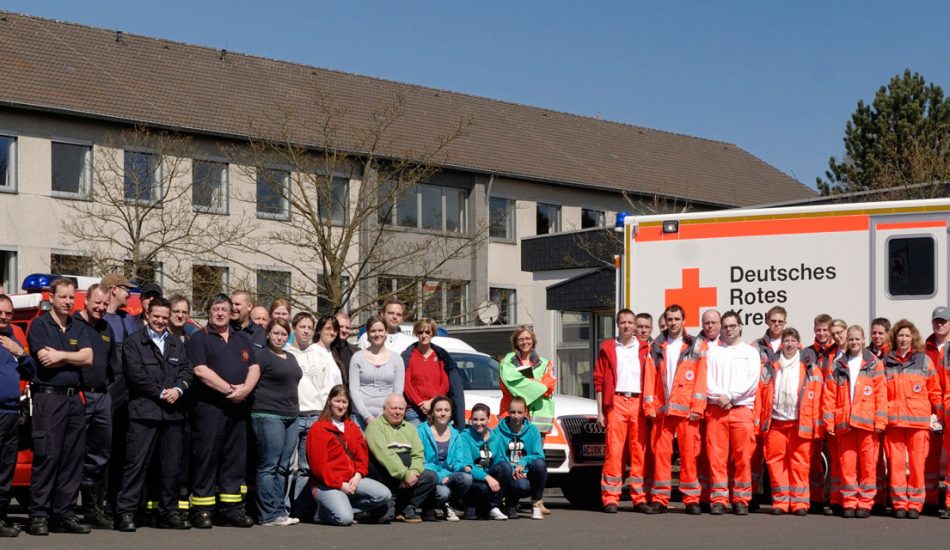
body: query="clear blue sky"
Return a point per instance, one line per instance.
(779, 79)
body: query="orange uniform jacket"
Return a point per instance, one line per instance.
(605, 371)
(868, 409)
(688, 394)
(913, 390)
(809, 399)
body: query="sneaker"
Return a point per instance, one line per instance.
(450, 514)
(409, 515)
(512, 512)
(497, 515)
(536, 512)
(281, 521)
(470, 513)
(544, 509)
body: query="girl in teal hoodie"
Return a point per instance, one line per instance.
(490, 473)
(520, 442)
(440, 442)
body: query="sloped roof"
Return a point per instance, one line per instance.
(76, 69)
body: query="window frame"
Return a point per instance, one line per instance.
(85, 191)
(416, 193)
(9, 255)
(86, 262)
(511, 207)
(224, 192)
(596, 211)
(933, 272)
(557, 218)
(12, 152)
(199, 309)
(158, 174)
(284, 214)
(510, 303)
(321, 212)
(272, 270)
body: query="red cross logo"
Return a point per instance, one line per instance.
(692, 296)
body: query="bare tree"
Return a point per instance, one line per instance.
(140, 216)
(339, 205)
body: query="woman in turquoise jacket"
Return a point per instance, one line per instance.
(519, 441)
(490, 472)
(440, 442)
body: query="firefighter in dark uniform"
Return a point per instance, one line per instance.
(158, 374)
(225, 374)
(60, 347)
(15, 365)
(241, 306)
(96, 381)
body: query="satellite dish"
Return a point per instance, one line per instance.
(488, 312)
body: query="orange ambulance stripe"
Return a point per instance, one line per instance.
(911, 225)
(749, 228)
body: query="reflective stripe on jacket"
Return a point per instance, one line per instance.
(913, 390)
(868, 409)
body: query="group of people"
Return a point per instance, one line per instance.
(153, 419)
(733, 407)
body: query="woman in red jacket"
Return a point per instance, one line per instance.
(913, 394)
(339, 462)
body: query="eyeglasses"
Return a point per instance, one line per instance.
(777, 321)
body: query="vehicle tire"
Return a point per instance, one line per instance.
(582, 488)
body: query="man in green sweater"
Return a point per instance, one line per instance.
(396, 460)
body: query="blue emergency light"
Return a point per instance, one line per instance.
(618, 224)
(38, 282)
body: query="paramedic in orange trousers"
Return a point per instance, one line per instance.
(821, 353)
(880, 346)
(711, 323)
(676, 403)
(940, 321)
(643, 330)
(732, 375)
(788, 413)
(770, 348)
(913, 394)
(839, 335)
(854, 410)
(619, 379)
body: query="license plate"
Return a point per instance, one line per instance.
(593, 449)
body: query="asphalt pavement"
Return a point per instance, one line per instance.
(565, 528)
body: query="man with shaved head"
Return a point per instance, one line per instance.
(397, 460)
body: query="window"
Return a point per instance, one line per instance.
(333, 203)
(444, 301)
(501, 219)
(549, 218)
(71, 264)
(272, 284)
(209, 188)
(911, 266)
(143, 177)
(591, 218)
(324, 304)
(574, 356)
(72, 169)
(7, 163)
(273, 193)
(145, 271)
(403, 288)
(8, 278)
(206, 282)
(426, 206)
(504, 300)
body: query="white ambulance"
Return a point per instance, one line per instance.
(851, 261)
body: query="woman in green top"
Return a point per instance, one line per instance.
(525, 374)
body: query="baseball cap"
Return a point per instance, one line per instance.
(941, 313)
(151, 287)
(114, 279)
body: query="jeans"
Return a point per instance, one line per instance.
(371, 497)
(454, 489)
(302, 503)
(533, 484)
(481, 496)
(413, 417)
(419, 495)
(276, 439)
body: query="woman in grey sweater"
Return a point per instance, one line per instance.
(375, 372)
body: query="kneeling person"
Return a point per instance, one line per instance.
(398, 460)
(158, 373)
(520, 442)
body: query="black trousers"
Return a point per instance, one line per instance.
(418, 496)
(218, 457)
(145, 438)
(9, 444)
(98, 438)
(59, 443)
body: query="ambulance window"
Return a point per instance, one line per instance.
(910, 263)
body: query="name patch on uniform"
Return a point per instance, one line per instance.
(172, 359)
(867, 390)
(73, 341)
(689, 375)
(105, 338)
(245, 355)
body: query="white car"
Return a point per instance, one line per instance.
(573, 451)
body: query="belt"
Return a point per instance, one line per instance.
(627, 394)
(68, 391)
(93, 389)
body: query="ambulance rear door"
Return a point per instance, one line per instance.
(909, 275)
